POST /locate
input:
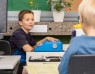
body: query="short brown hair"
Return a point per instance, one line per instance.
(22, 13)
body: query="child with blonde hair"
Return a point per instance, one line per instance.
(84, 44)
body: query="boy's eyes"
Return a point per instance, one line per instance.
(29, 19)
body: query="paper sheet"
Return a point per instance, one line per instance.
(39, 28)
(42, 68)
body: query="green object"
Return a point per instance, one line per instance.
(17, 5)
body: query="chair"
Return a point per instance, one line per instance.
(82, 64)
(5, 47)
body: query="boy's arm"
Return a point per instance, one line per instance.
(63, 66)
(46, 38)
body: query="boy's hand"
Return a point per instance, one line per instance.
(51, 39)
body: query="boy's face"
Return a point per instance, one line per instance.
(27, 22)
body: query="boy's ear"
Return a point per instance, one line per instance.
(81, 18)
(20, 23)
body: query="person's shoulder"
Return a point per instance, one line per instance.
(77, 40)
(18, 31)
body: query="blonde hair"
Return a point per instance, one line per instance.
(87, 12)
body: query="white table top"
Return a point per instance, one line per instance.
(42, 68)
(8, 62)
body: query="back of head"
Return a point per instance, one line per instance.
(87, 12)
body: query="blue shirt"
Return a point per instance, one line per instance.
(18, 39)
(78, 45)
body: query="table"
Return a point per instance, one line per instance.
(42, 67)
(9, 64)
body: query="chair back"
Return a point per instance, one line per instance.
(82, 64)
(5, 47)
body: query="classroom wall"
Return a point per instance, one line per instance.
(16, 5)
(23, 4)
(75, 5)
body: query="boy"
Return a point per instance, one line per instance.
(82, 44)
(22, 41)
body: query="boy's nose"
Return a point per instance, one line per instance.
(31, 21)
